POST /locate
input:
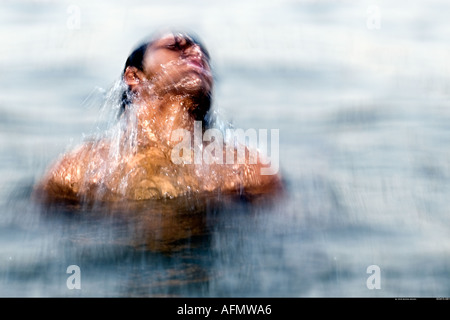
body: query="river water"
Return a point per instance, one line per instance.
(358, 91)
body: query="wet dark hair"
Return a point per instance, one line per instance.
(136, 59)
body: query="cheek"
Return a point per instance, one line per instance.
(153, 63)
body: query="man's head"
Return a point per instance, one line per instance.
(172, 64)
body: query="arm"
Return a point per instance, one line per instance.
(257, 184)
(63, 180)
(255, 179)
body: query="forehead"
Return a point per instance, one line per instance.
(165, 36)
(171, 36)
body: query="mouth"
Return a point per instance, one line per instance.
(200, 67)
(196, 63)
(189, 74)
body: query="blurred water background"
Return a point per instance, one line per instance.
(359, 91)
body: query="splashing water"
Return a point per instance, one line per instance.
(129, 157)
(113, 138)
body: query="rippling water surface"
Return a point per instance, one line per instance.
(362, 107)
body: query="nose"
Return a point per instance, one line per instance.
(193, 50)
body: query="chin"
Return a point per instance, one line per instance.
(200, 90)
(194, 84)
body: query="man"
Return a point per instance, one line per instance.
(168, 85)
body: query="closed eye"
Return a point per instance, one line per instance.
(173, 46)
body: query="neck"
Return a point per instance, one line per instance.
(158, 118)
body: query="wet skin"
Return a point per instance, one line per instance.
(176, 75)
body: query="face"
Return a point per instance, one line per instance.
(176, 63)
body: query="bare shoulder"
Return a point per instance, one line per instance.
(258, 181)
(254, 177)
(62, 180)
